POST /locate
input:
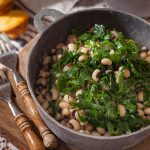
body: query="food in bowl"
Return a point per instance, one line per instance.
(5, 6)
(14, 23)
(97, 83)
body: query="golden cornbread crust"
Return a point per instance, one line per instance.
(5, 6)
(14, 23)
(16, 32)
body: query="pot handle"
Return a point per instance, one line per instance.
(55, 14)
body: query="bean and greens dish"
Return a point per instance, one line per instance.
(97, 82)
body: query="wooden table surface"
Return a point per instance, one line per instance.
(7, 126)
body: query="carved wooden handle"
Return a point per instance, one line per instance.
(50, 141)
(32, 139)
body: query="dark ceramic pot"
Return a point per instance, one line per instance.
(132, 26)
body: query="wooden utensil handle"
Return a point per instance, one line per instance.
(49, 139)
(32, 139)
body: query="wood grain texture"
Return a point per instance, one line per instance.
(7, 123)
(49, 139)
(32, 139)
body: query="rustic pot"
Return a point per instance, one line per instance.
(56, 32)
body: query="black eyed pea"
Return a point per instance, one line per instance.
(106, 61)
(55, 93)
(45, 105)
(72, 47)
(144, 48)
(49, 111)
(147, 111)
(42, 81)
(91, 53)
(112, 52)
(60, 46)
(81, 131)
(148, 53)
(63, 105)
(59, 56)
(140, 105)
(68, 98)
(75, 124)
(44, 74)
(126, 73)
(100, 130)
(84, 50)
(79, 92)
(72, 38)
(122, 110)
(95, 133)
(143, 55)
(140, 96)
(46, 60)
(65, 112)
(95, 75)
(108, 71)
(77, 116)
(68, 125)
(87, 132)
(148, 59)
(67, 67)
(41, 99)
(89, 127)
(82, 58)
(72, 113)
(58, 117)
(140, 112)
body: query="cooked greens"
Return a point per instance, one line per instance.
(100, 99)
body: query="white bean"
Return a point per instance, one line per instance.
(75, 124)
(44, 74)
(148, 59)
(55, 93)
(112, 52)
(65, 112)
(45, 105)
(58, 116)
(60, 46)
(147, 111)
(46, 60)
(67, 67)
(140, 112)
(143, 55)
(81, 131)
(72, 47)
(87, 132)
(122, 110)
(144, 48)
(126, 73)
(106, 61)
(82, 58)
(72, 38)
(79, 92)
(49, 110)
(89, 127)
(84, 50)
(41, 99)
(68, 98)
(63, 105)
(42, 81)
(95, 75)
(95, 133)
(100, 130)
(140, 105)
(148, 53)
(140, 96)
